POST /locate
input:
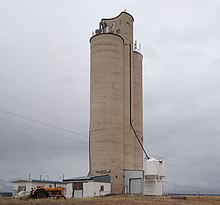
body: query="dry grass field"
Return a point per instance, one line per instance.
(118, 200)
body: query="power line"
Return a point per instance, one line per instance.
(185, 165)
(176, 162)
(11, 124)
(27, 127)
(41, 122)
(39, 130)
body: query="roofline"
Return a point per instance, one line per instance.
(138, 53)
(86, 178)
(47, 181)
(123, 12)
(105, 34)
(18, 180)
(37, 180)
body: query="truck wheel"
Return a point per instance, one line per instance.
(41, 195)
(61, 197)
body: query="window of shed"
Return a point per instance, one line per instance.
(77, 186)
(101, 188)
(21, 188)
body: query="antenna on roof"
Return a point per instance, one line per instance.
(135, 45)
(124, 10)
(139, 47)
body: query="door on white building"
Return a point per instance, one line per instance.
(77, 189)
(136, 186)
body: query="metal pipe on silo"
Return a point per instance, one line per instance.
(136, 108)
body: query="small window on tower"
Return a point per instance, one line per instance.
(101, 188)
(127, 23)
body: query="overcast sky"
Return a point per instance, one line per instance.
(44, 79)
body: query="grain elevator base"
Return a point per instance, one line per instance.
(133, 181)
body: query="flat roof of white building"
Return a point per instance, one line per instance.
(100, 178)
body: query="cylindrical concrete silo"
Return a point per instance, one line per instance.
(115, 102)
(122, 25)
(137, 105)
(106, 108)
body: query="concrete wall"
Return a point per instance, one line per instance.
(137, 105)
(28, 185)
(69, 190)
(92, 189)
(153, 188)
(124, 27)
(116, 74)
(106, 108)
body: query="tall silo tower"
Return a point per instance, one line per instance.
(116, 113)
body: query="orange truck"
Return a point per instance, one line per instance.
(47, 192)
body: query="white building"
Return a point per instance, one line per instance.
(25, 185)
(153, 177)
(88, 186)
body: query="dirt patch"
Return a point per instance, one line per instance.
(118, 200)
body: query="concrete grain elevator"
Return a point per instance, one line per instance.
(116, 105)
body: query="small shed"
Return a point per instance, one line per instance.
(88, 186)
(25, 185)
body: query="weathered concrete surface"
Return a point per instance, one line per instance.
(116, 71)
